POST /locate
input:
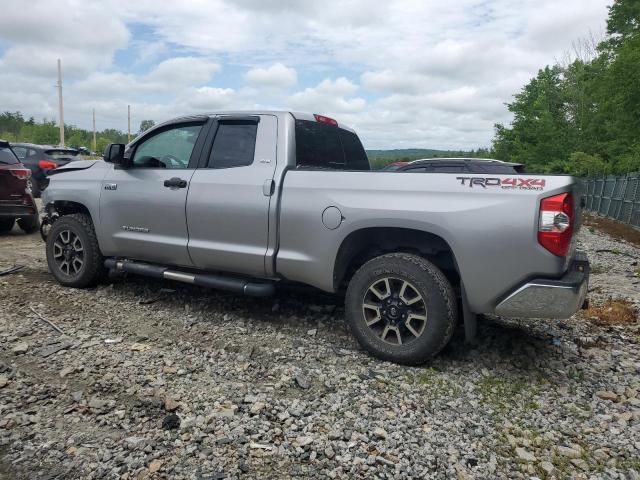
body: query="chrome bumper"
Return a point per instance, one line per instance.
(546, 298)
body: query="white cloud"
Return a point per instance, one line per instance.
(402, 72)
(329, 96)
(183, 71)
(207, 99)
(276, 76)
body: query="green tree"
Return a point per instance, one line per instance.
(624, 20)
(540, 132)
(583, 115)
(146, 125)
(15, 128)
(583, 164)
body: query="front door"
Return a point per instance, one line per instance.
(229, 197)
(142, 208)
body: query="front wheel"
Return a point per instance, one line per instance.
(73, 254)
(401, 308)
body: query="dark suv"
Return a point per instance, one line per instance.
(16, 200)
(42, 158)
(462, 165)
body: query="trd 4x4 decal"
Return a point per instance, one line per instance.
(516, 183)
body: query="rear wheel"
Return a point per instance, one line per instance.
(401, 308)
(73, 254)
(6, 224)
(29, 224)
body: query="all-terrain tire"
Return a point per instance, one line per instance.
(426, 282)
(92, 270)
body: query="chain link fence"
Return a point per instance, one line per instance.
(615, 197)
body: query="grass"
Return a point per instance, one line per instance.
(435, 383)
(501, 393)
(630, 463)
(612, 312)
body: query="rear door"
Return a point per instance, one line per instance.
(229, 196)
(142, 208)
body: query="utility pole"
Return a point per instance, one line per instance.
(129, 123)
(61, 110)
(94, 130)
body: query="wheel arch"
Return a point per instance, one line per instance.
(68, 207)
(363, 244)
(60, 208)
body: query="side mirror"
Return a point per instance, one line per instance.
(114, 153)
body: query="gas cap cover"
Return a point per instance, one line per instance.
(332, 217)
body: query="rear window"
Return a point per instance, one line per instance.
(61, 153)
(495, 168)
(234, 145)
(7, 157)
(436, 168)
(355, 156)
(21, 152)
(447, 168)
(319, 145)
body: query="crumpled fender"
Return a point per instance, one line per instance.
(72, 166)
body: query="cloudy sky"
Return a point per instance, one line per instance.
(403, 73)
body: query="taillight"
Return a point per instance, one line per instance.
(327, 120)
(21, 173)
(47, 165)
(555, 225)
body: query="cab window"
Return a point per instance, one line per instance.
(170, 148)
(234, 144)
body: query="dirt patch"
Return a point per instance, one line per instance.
(616, 229)
(613, 312)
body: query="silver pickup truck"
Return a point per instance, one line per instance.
(244, 201)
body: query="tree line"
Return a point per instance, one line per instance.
(380, 158)
(582, 115)
(14, 127)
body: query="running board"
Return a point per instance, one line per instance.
(218, 282)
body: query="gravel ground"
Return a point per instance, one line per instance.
(158, 380)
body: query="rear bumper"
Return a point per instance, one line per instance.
(18, 207)
(16, 211)
(550, 298)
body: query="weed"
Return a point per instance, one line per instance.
(612, 312)
(629, 464)
(435, 383)
(501, 393)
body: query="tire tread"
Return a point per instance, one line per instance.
(94, 262)
(384, 263)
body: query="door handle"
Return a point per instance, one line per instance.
(175, 182)
(268, 187)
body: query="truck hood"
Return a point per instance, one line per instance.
(73, 166)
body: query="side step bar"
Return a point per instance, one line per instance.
(218, 282)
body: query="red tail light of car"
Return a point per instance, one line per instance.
(47, 164)
(555, 225)
(325, 120)
(21, 173)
